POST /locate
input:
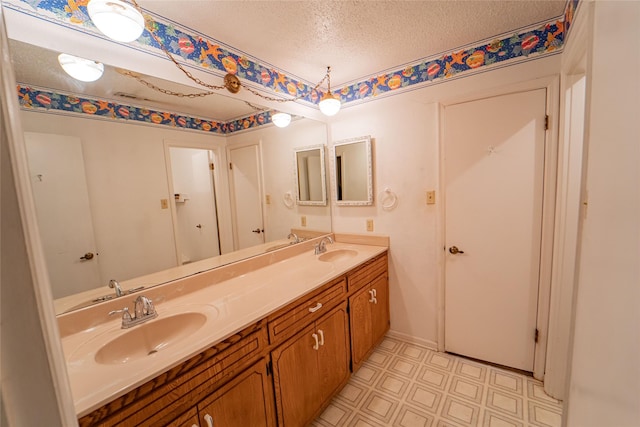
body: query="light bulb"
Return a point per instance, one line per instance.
(81, 69)
(329, 104)
(116, 19)
(281, 120)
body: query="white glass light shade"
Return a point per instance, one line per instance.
(329, 104)
(116, 19)
(81, 69)
(281, 120)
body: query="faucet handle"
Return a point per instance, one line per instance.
(126, 316)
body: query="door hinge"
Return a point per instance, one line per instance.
(546, 122)
(211, 166)
(269, 368)
(535, 335)
(230, 165)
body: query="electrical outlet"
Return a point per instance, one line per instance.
(431, 197)
(303, 221)
(267, 199)
(164, 203)
(369, 225)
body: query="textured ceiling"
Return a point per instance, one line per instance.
(357, 38)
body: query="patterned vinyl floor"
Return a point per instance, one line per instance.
(406, 385)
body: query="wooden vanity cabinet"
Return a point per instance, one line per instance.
(368, 307)
(245, 401)
(310, 367)
(178, 391)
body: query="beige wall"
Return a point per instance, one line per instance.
(405, 133)
(604, 385)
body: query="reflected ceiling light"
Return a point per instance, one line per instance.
(116, 19)
(81, 69)
(329, 103)
(281, 119)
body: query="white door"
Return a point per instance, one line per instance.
(246, 196)
(195, 207)
(494, 160)
(60, 193)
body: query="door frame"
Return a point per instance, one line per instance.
(552, 86)
(261, 192)
(220, 187)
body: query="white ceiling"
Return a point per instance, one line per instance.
(357, 38)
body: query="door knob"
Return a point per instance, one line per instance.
(257, 230)
(87, 256)
(454, 250)
(199, 226)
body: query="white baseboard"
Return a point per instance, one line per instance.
(432, 345)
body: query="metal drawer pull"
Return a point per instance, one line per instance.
(372, 295)
(321, 336)
(317, 344)
(316, 308)
(209, 419)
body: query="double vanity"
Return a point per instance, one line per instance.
(262, 342)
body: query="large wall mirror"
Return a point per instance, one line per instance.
(144, 203)
(310, 178)
(352, 172)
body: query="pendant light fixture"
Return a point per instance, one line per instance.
(329, 103)
(81, 69)
(281, 119)
(116, 19)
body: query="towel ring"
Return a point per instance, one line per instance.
(389, 200)
(287, 199)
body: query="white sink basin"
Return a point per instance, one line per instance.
(149, 338)
(337, 255)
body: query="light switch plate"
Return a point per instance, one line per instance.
(369, 225)
(164, 203)
(431, 197)
(303, 221)
(267, 199)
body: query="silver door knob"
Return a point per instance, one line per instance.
(454, 250)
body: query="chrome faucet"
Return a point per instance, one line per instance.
(321, 247)
(296, 239)
(143, 310)
(114, 284)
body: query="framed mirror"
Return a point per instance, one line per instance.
(352, 172)
(310, 179)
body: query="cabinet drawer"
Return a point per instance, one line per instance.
(294, 317)
(155, 403)
(367, 272)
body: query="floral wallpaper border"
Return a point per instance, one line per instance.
(217, 58)
(37, 99)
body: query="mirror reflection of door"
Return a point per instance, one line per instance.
(351, 171)
(196, 219)
(59, 184)
(245, 184)
(310, 176)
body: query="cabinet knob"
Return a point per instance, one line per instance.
(372, 295)
(321, 336)
(209, 420)
(316, 345)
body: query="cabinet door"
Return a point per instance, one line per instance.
(296, 379)
(379, 308)
(333, 353)
(246, 401)
(361, 324)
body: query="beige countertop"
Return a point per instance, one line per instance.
(231, 298)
